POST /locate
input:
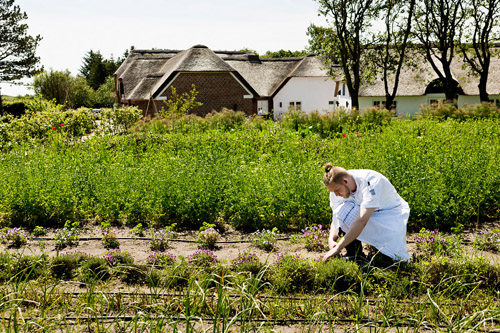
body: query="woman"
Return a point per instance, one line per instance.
(367, 208)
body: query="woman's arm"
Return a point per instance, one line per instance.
(354, 230)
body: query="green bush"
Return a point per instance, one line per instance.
(337, 275)
(291, 274)
(64, 267)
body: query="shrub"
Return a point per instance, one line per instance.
(459, 275)
(133, 274)
(487, 240)
(64, 266)
(265, 239)
(14, 237)
(246, 262)
(291, 273)
(161, 259)
(315, 238)
(96, 268)
(81, 257)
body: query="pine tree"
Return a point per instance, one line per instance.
(17, 48)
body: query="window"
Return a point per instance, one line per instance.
(295, 105)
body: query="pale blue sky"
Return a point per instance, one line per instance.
(70, 28)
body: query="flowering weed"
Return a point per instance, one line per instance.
(109, 240)
(68, 236)
(118, 257)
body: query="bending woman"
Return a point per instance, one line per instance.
(367, 208)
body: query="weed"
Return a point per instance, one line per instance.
(265, 239)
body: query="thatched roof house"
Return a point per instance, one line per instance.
(224, 79)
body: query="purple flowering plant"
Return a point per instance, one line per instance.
(117, 256)
(202, 258)
(315, 238)
(246, 262)
(435, 243)
(161, 259)
(159, 239)
(14, 237)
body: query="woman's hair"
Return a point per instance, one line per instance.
(334, 174)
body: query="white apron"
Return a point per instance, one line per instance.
(386, 228)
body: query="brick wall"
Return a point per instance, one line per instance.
(215, 91)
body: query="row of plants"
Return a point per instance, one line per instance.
(314, 238)
(251, 178)
(435, 263)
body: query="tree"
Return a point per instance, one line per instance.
(284, 54)
(96, 69)
(17, 48)
(390, 49)
(180, 104)
(54, 85)
(437, 27)
(347, 39)
(483, 16)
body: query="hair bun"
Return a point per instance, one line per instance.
(328, 167)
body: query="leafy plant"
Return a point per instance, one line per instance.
(265, 239)
(180, 104)
(138, 230)
(39, 231)
(68, 236)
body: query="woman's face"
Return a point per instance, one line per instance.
(340, 190)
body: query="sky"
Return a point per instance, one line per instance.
(70, 29)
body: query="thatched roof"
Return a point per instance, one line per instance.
(414, 80)
(146, 73)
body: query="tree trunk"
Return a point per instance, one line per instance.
(483, 94)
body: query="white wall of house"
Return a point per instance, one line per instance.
(311, 93)
(407, 106)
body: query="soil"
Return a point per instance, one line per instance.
(185, 244)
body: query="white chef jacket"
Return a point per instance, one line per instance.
(386, 228)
